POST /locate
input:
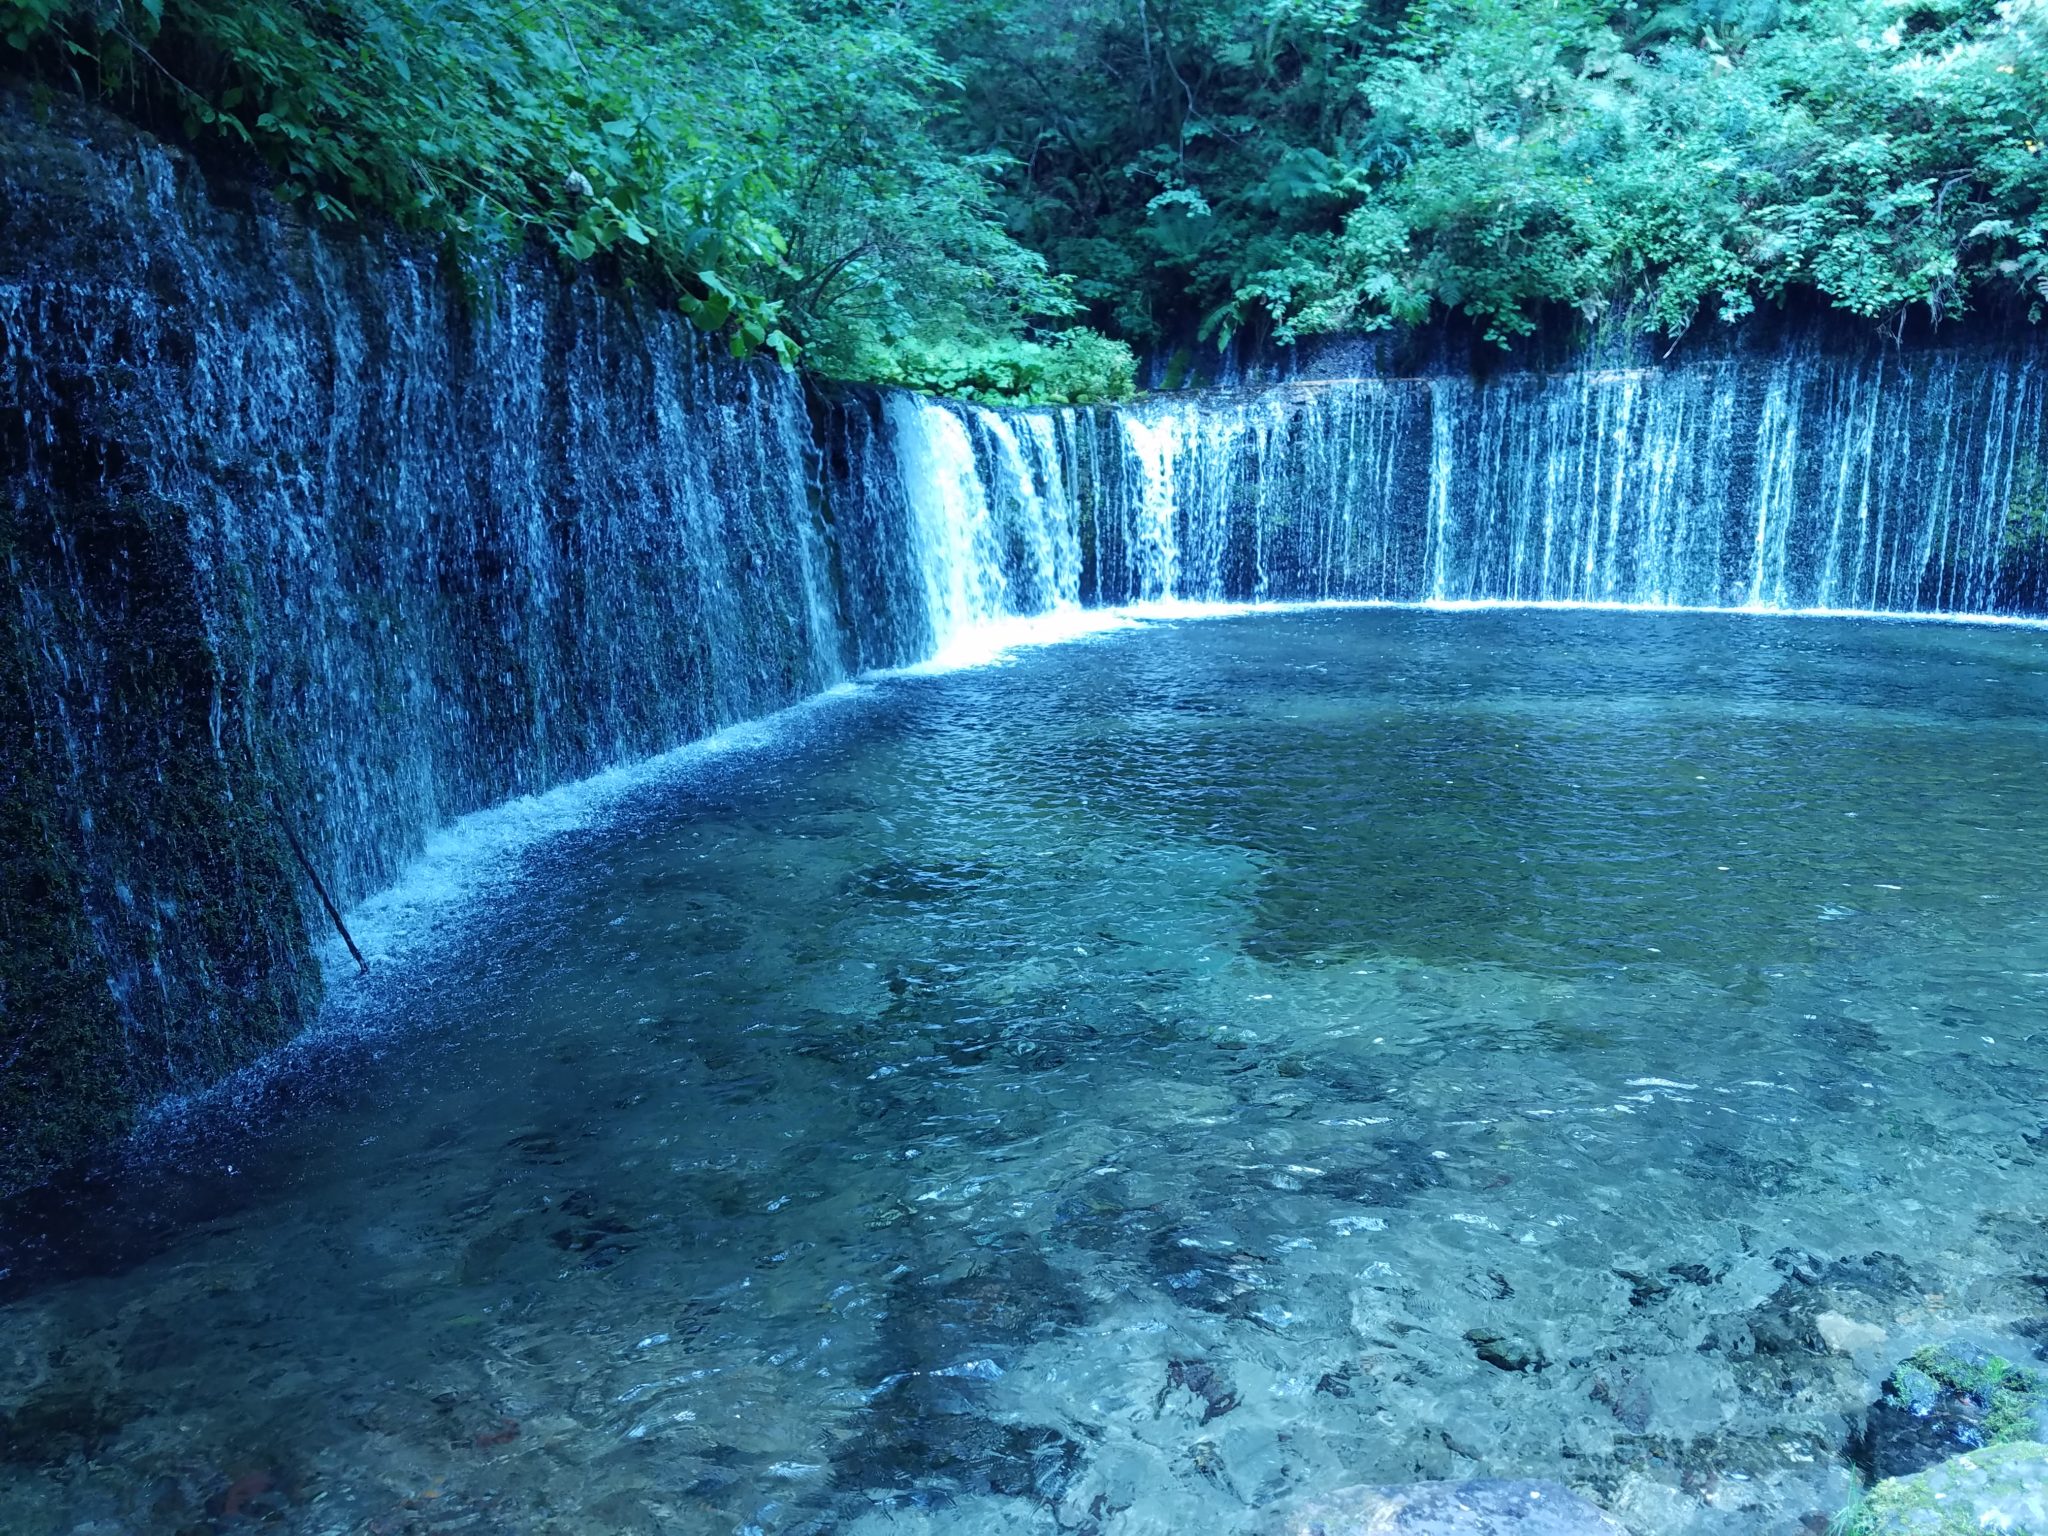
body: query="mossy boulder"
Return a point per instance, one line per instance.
(1948, 1399)
(2002, 1488)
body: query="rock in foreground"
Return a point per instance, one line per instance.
(2002, 1488)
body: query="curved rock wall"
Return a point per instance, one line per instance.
(308, 538)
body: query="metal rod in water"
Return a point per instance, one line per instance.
(326, 900)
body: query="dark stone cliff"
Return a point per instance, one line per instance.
(300, 531)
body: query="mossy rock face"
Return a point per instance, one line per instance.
(1948, 1399)
(151, 930)
(151, 937)
(2003, 1488)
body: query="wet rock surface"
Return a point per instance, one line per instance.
(1206, 1385)
(1505, 1352)
(1822, 1296)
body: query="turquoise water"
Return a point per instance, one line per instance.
(1127, 1090)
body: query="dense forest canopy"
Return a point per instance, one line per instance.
(1320, 165)
(996, 196)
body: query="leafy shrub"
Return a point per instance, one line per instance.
(1071, 368)
(1319, 165)
(769, 168)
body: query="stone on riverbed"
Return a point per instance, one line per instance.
(1482, 1507)
(2003, 1488)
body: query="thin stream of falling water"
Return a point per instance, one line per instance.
(1155, 542)
(1441, 427)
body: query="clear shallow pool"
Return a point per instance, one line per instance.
(1128, 1089)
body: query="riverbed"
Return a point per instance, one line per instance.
(1126, 1089)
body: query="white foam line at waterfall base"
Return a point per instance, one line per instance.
(436, 894)
(999, 639)
(449, 888)
(1743, 610)
(1167, 610)
(463, 861)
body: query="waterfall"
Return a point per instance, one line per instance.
(1046, 546)
(1154, 540)
(954, 532)
(1883, 481)
(306, 540)
(1879, 481)
(994, 529)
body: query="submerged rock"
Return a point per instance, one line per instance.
(1505, 1352)
(1205, 1383)
(1845, 1335)
(1823, 1305)
(2001, 1488)
(56, 1424)
(925, 1454)
(1210, 1273)
(1482, 1507)
(1945, 1400)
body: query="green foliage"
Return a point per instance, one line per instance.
(929, 191)
(1073, 368)
(1317, 165)
(768, 166)
(486, 123)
